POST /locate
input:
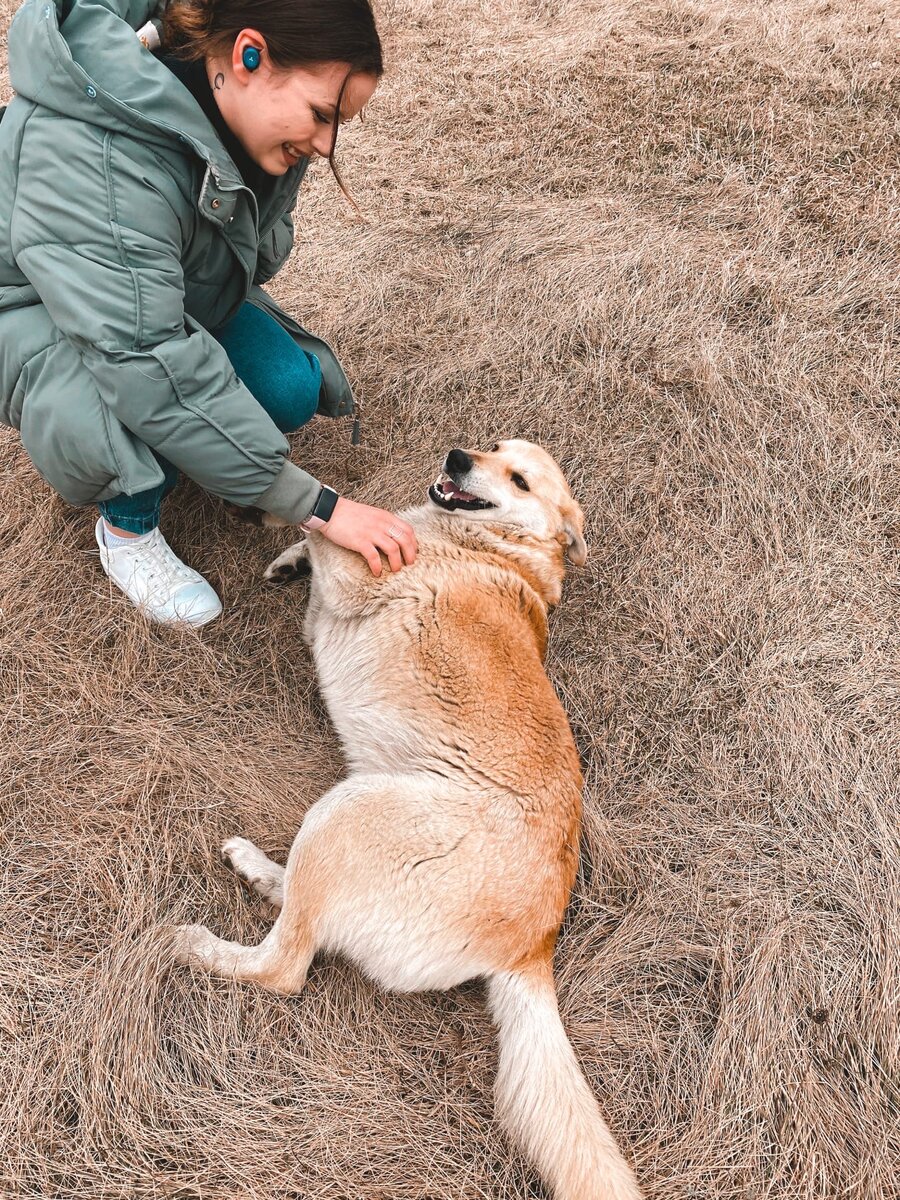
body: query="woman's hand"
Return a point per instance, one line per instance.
(367, 530)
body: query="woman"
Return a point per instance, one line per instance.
(149, 164)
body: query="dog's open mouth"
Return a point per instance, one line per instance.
(448, 494)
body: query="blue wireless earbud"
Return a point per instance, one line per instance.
(250, 58)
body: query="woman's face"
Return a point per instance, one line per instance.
(282, 116)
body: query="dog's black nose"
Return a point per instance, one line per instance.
(458, 463)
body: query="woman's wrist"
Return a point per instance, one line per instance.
(372, 532)
(323, 509)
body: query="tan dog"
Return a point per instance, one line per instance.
(450, 849)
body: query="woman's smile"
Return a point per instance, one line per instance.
(292, 154)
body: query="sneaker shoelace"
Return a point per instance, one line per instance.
(162, 567)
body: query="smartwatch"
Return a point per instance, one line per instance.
(322, 509)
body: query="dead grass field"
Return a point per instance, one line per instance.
(662, 239)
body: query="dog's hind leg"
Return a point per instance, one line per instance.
(262, 874)
(279, 962)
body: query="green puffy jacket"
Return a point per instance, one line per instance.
(126, 233)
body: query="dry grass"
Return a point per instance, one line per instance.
(661, 239)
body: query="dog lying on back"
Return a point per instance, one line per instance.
(450, 849)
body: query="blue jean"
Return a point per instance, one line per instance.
(280, 376)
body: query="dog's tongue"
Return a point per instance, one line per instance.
(452, 492)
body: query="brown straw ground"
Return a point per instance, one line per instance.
(660, 238)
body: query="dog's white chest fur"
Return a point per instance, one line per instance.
(359, 690)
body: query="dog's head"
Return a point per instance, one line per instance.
(515, 483)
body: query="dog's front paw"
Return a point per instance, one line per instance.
(291, 565)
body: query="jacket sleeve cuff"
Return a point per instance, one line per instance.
(292, 496)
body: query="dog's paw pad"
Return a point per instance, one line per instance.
(300, 571)
(287, 571)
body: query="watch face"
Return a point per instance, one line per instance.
(322, 510)
(325, 504)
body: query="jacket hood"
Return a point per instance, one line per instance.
(83, 59)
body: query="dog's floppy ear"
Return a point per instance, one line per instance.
(573, 528)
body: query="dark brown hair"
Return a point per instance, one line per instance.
(298, 33)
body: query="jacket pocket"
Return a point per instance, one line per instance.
(75, 443)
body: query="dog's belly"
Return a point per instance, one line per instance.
(370, 694)
(421, 687)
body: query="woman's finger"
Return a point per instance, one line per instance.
(408, 545)
(373, 558)
(392, 550)
(405, 537)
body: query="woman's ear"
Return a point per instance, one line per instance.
(573, 528)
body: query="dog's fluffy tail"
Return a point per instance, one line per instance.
(542, 1098)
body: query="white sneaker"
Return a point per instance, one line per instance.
(157, 582)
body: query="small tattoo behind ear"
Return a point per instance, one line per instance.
(219, 82)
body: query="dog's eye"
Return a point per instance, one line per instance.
(520, 482)
(494, 448)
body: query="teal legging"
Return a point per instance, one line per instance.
(279, 374)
